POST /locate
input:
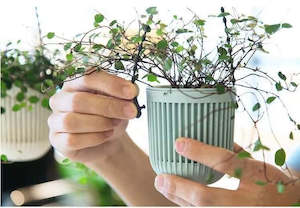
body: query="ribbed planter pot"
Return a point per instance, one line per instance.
(200, 114)
(24, 134)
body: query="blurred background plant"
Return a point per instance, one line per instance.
(25, 74)
(23, 70)
(78, 172)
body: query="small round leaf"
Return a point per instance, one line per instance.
(50, 35)
(280, 157)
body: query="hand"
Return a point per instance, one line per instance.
(90, 115)
(189, 193)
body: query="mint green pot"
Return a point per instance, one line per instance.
(200, 114)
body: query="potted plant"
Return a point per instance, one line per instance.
(24, 106)
(196, 94)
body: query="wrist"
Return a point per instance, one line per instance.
(113, 151)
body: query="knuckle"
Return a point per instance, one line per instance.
(110, 106)
(171, 186)
(49, 121)
(196, 197)
(85, 80)
(51, 139)
(68, 121)
(52, 101)
(71, 141)
(76, 100)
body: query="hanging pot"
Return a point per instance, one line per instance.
(24, 134)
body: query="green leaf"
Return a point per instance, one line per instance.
(77, 47)
(260, 183)
(30, 108)
(69, 57)
(20, 96)
(174, 44)
(119, 65)
(291, 136)
(50, 35)
(259, 146)
(152, 78)
(80, 70)
(270, 99)
(136, 39)
(110, 44)
(256, 107)
(3, 158)
(223, 14)
(223, 54)
(294, 84)
(97, 47)
(278, 86)
(238, 172)
(83, 180)
(16, 107)
(159, 32)
(167, 64)
(234, 105)
(280, 157)
(149, 22)
(49, 82)
(271, 29)
(152, 10)
(244, 154)
(163, 44)
(33, 99)
(126, 56)
(282, 76)
(70, 70)
(18, 83)
(8, 44)
(98, 18)
(280, 187)
(206, 61)
(286, 25)
(45, 103)
(23, 104)
(234, 21)
(66, 161)
(298, 126)
(2, 110)
(199, 22)
(67, 46)
(179, 49)
(220, 89)
(112, 22)
(182, 30)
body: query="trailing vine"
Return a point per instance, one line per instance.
(176, 53)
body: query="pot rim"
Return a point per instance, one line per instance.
(200, 89)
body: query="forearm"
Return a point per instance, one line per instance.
(129, 172)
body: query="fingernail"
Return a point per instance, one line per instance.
(128, 91)
(108, 133)
(159, 182)
(180, 146)
(130, 110)
(116, 122)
